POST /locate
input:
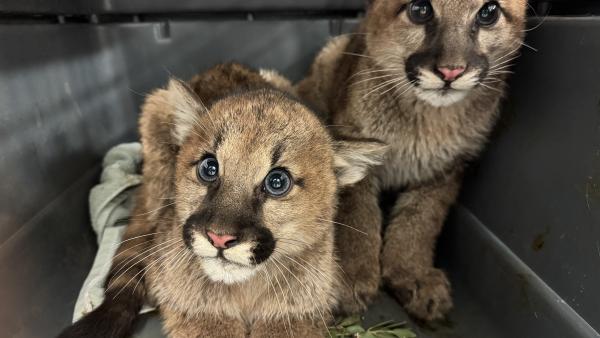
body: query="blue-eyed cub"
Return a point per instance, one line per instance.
(233, 232)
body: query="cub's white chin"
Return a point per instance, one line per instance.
(439, 98)
(219, 270)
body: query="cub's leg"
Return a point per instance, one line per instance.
(358, 241)
(304, 328)
(409, 246)
(177, 325)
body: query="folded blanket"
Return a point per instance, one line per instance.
(111, 202)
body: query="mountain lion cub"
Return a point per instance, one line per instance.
(233, 228)
(426, 77)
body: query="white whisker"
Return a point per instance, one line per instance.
(345, 225)
(530, 47)
(356, 54)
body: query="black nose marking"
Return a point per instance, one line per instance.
(264, 247)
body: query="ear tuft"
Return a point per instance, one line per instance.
(353, 159)
(186, 107)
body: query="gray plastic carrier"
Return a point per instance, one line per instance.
(522, 246)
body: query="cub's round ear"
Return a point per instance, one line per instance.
(186, 107)
(353, 158)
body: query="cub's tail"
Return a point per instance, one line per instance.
(113, 319)
(125, 290)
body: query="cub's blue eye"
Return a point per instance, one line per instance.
(420, 11)
(488, 14)
(278, 183)
(208, 169)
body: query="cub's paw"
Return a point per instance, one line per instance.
(425, 296)
(358, 292)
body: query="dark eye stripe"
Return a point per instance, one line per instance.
(276, 155)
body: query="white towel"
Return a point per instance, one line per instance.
(111, 202)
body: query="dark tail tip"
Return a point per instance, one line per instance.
(115, 318)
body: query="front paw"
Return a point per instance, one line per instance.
(425, 295)
(359, 291)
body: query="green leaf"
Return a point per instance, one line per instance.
(367, 334)
(382, 324)
(351, 327)
(404, 333)
(335, 332)
(393, 326)
(349, 321)
(383, 334)
(355, 329)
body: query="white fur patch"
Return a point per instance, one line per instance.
(431, 88)
(466, 82)
(202, 246)
(429, 80)
(240, 253)
(440, 98)
(219, 270)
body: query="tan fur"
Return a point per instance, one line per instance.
(292, 292)
(364, 86)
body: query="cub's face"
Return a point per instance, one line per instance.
(256, 179)
(441, 50)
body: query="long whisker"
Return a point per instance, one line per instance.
(499, 64)
(384, 84)
(308, 291)
(372, 78)
(510, 53)
(536, 14)
(136, 237)
(279, 302)
(155, 210)
(502, 66)
(497, 72)
(530, 47)
(137, 274)
(162, 259)
(356, 54)
(289, 288)
(398, 86)
(406, 90)
(342, 224)
(489, 87)
(169, 262)
(155, 249)
(371, 71)
(314, 269)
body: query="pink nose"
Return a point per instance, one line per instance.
(221, 241)
(450, 74)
